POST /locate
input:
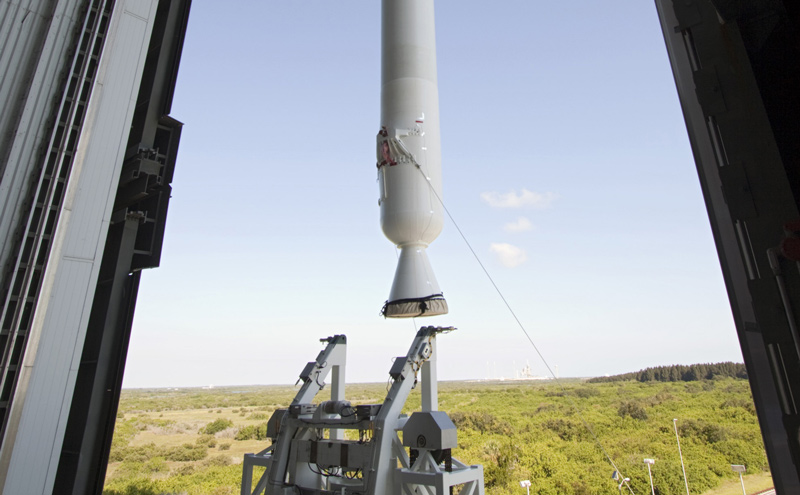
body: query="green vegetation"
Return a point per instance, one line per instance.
(165, 442)
(252, 432)
(679, 373)
(216, 426)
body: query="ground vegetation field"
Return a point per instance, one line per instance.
(560, 437)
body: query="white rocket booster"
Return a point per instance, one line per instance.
(409, 154)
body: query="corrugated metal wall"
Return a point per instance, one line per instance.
(35, 38)
(70, 70)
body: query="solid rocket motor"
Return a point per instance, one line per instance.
(409, 155)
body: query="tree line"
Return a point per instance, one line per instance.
(679, 373)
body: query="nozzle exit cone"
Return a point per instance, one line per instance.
(415, 291)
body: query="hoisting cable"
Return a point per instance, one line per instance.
(521, 326)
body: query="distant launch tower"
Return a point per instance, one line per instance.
(409, 155)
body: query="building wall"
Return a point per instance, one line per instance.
(35, 38)
(726, 56)
(34, 432)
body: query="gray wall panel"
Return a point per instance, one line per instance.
(127, 47)
(31, 61)
(37, 434)
(64, 305)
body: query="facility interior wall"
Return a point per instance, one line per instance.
(133, 243)
(745, 168)
(32, 447)
(37, 38)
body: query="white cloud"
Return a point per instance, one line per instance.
(510, 256)
(521, 224)
(514, 200)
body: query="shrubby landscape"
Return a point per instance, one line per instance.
(191, 441)
(679, 373)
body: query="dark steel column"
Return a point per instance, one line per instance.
(133, 243)
(736, 69)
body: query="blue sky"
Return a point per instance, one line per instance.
(565, 162)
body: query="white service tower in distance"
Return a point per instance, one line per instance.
(409, 155)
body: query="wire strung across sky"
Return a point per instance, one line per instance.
(522, 327)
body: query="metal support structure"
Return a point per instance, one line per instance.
(430, 382)
(88, 150)
(426, 477)
(338, 389)
(302, 458)
(680, 454)
(134, 242)
(331, 360)
(313, 376)
(26, 253)
(739, 468)
(90, 427)
(649, 463)
(379, 479)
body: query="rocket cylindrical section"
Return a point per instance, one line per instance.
(409, 154)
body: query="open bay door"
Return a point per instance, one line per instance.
(737, 70)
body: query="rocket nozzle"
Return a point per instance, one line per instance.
(415, 291)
